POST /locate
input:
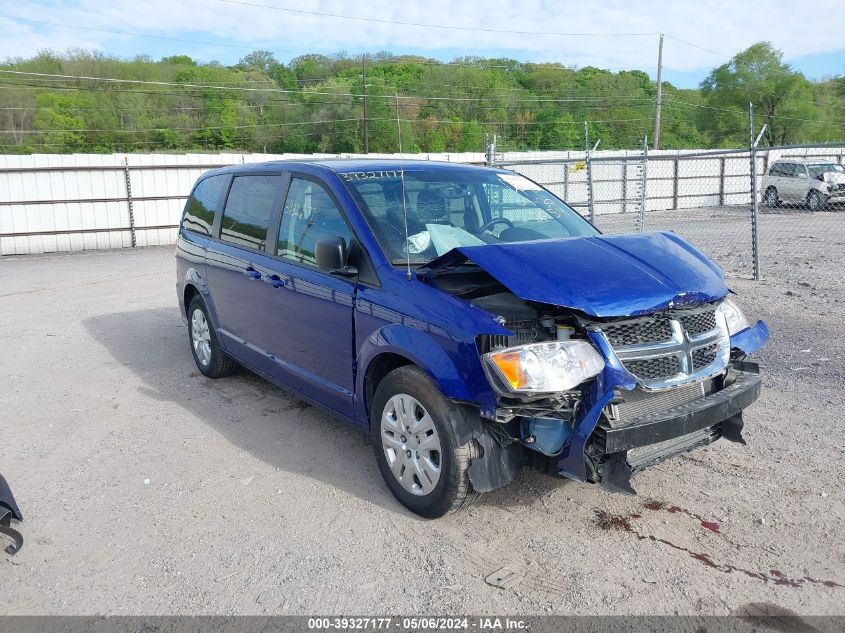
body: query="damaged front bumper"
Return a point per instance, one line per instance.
(650, 439)
(607, 453)
(615, 426)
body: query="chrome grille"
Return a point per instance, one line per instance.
(637, 332)
(677, 347)
(653, 368)
(703, 356)
(699, 323)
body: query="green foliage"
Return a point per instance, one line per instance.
(315, 103)
(782, 98)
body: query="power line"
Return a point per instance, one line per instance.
(271, 90)
(582, 104)
(820, 104)
(610, 94)
(323, 121)
(744, 113)
(178, 129)
(698, 46)
(428, 25)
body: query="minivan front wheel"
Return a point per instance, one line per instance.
(208, 356)
(416, 447)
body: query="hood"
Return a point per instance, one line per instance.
(602, 275)
(834, 177)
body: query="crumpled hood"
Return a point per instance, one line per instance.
(834, 177)
(602, 275)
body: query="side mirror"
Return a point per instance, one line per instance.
(331, 253)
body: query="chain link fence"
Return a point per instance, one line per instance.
(783, 208)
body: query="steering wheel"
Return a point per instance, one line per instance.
(488, 225)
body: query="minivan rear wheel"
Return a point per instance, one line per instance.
(416, 447)
(208, 356)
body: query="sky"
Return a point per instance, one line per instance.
(613, 34)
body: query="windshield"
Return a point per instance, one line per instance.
(448, 208)
(816, 171)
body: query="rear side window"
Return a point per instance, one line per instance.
(310, 214)
(249, 206)
(199, 212)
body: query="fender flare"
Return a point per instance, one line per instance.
(195, 278)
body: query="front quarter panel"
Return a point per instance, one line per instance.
(432, 329)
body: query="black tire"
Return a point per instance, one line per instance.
(771, 198)
(453, 491)
(218, 365)
(815, 201)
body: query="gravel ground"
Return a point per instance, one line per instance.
(149, 489)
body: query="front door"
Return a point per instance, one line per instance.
(792, 182)
(309, 311)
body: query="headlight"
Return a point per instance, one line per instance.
(733, 315)
(544, 367)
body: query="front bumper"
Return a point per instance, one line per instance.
(651, 439)
(687, 418)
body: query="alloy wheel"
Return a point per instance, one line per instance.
(201, 337)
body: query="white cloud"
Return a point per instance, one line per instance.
(721, 25)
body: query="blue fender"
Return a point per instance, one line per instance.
(428, 353)
(751, 338)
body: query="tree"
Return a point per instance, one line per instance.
(782, 98)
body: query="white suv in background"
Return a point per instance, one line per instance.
(812, 182)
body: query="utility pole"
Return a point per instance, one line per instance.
(659, 101)
(366, 105)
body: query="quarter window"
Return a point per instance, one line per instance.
(248, 210)
(199, 212)
(310, 214)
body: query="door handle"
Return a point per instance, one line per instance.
(275, 281)
(252, 273)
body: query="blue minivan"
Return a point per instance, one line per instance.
(467, 318)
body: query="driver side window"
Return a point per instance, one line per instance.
(309, 214)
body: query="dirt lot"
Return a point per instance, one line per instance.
(149, 489)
